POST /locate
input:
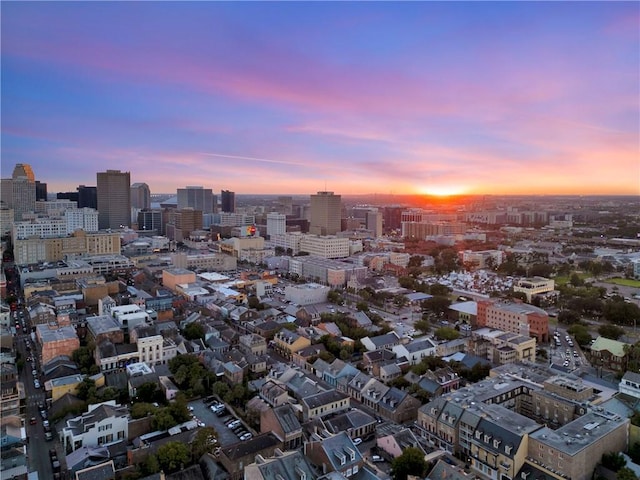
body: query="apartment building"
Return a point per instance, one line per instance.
(515, 317)
(325, 246)
(287, 342)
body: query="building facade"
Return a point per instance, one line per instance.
(325, 213)
(114, 199)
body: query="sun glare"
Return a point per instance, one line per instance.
(443, 190)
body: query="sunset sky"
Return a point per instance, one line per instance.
(295, 97)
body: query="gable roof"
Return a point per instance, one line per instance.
(613, 346)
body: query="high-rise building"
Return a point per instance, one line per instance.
(326, 213)
(41, 191)
(182, 222)
(276, 224)
(374, 222)
(198, 198)
(114, 199)
(87, 197)
(140, 196)
(19, 191)
(71, 196)
(228, 201)
(150, 220)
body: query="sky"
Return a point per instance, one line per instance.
(298, 97)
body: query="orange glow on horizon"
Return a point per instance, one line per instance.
(443, 191)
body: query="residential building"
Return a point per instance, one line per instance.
(630, 384)
(283, 465)
(516, 317)
(324, 403)
(283, 422)
(102, 424)
(608, 354)
(253, 343)
(335, 454)
(381, 342)
(11, 391)
(235, 457)
(54, 341)
(325, 213)
(416, 350)
(114, 199)
(173, 277)
(287, 342)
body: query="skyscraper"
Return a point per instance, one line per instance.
(114, 199)
(19, 191)
(326, 213)
(41, 191)
(87, 197)
(140, 196)
(196, 197)
(228, 201)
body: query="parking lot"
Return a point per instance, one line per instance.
(203, 413)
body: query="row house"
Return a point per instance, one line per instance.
(416, 350)
(287, 342)
(357, 424)
(324, 403)
(388, 402)
(381, 342)
(283, 422)
(302, 357)
(335, 454)
(235, 457)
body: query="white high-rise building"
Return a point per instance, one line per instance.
(276, 224)
(81, 219)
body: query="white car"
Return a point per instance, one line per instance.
(246, 436)
(36, 384)
(357, 441)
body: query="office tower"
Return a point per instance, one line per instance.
(114, 199)
(140, 196)
(393, 217)
(19, 191)
(87, 197)
(374, 222)
(198, 198)
(41, 191)
(276, 224)
(326, 213)
(150, 220)
(228, 201)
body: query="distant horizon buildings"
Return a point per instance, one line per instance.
(325, 213)
(114, 199)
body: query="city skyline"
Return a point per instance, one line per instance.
(355, 98)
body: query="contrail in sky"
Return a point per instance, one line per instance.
(253, 159)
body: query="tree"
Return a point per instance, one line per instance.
(625, 473)
(150, 465)
(87, 389)
(437, 289)
(634, 452)
(613, 461)
(411, 462)
(610, 331)
(163, 420)
(422, 325)
(203, 442)
(438, 305)
(580, 333)
(142, 409)
(83, 357)
(568, 317)
(148, 392)
(194, 331)
(447, 333)
(173, 456)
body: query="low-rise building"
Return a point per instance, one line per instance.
(324, 403)
(630, 384)
(55, 341)
(102, 424)
(287, 342)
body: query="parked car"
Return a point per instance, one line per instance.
(33, 420)
(246, 436)
(36, 383)
(357, 441)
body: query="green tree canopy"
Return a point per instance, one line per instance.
(194, 331)
(610, 331)
(447, 333)
(613, 461)
(411, 462)
(173, 456)
(625, 473)
(580, 333)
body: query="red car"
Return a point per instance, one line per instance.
(33, 421)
